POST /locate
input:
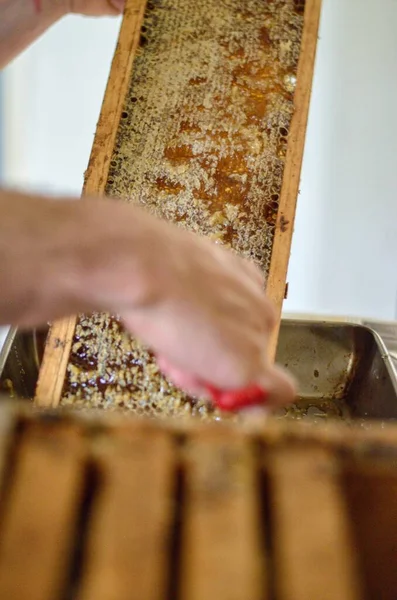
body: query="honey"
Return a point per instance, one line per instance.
(202, 143)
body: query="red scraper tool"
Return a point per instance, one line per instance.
(234, 400)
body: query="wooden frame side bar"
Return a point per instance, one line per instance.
(276, 283)
(60, 338)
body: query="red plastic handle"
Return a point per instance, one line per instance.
(233, 400)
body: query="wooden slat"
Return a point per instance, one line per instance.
(56, 355)
(130, 529)
(293, 164)
(8, 420)
(314, 552)
(40, 514)
(331, 433)
(55, 359)
(372, 495)
(222, 531)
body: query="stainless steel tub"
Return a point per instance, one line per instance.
(344, 368)
(20, 359)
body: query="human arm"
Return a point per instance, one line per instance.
(23, 21)
(200, 308)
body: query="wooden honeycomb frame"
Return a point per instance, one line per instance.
(60, 339)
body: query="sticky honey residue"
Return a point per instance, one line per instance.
(202, 142)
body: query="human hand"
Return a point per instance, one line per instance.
(200, 308)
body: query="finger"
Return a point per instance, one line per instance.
(181, 379)
(242, 266)
(254, 283)
(276, 389)
(225, 355)
(280, 386)
(255, 273)
(225, 255)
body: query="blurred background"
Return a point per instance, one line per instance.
(344, 254)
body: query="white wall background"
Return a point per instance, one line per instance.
(344, 252)
(52, 99)
(344, 255)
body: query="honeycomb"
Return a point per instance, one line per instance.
(201, 142)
